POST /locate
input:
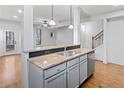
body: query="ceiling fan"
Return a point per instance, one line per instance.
(45, 23)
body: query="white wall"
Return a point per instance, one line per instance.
(64, 36)
(115, 42)
(45, 36)
(16, 27)
(92, 28)
(61, 36)
(99, 53)
(47, 39)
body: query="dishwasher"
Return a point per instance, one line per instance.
(90, 63)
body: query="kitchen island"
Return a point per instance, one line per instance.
(61, 69)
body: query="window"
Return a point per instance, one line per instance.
(38, 37)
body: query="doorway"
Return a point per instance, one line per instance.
(10, 46)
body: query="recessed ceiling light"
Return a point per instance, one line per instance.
(15, 16)
(19, 11)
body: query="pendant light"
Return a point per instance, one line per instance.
(52, 22)
(70, 26)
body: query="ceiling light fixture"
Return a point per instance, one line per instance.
(19, 11)
(83, 27)
(70, 26)
(52, 22)
(45, 25)
(15, 16)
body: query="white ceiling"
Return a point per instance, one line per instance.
(93, 10)
(8, 11)
(61, 12)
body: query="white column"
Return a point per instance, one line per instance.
(76, 34)
(83, 36)
(27, 35)
(27, 43)
(105, 42)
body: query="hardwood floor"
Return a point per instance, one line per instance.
(10, 69)
(105, 76)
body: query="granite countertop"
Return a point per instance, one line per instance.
(47, 61)
(46, 48)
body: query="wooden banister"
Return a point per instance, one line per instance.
(96, 37)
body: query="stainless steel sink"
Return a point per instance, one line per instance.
(69, 53)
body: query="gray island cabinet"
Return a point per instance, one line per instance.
(69, 74)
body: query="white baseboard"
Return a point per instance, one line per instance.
(9, 54)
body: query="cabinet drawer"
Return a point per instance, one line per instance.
(54, 70)
(72, 62)
(83, 57)
(56, 81)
